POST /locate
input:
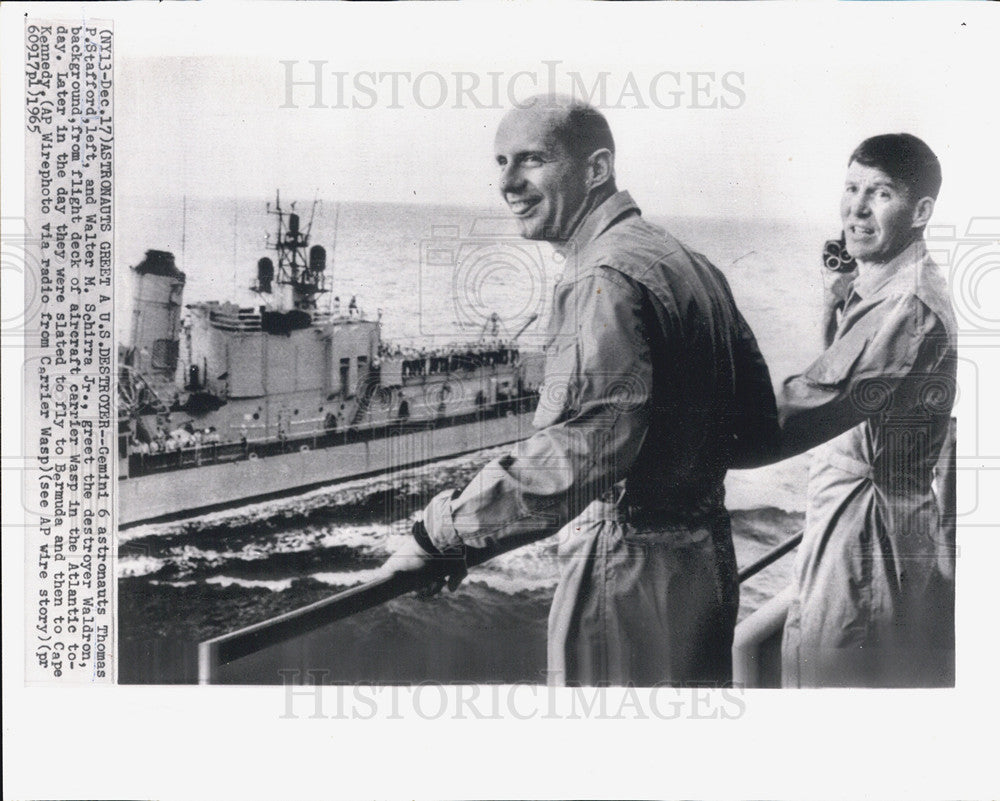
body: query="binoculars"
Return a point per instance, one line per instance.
(836, 258)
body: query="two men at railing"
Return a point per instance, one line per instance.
(654, 387)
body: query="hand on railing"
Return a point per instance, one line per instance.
(407, 558)
(417, 554)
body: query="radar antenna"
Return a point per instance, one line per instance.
(300, 267)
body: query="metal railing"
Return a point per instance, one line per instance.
(207, 453)
(770, 557)
(242, 320)
(219, 651)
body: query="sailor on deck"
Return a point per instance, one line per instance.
(653, 382)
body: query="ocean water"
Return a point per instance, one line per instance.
(435, 274)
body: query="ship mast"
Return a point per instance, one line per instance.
(300, 267)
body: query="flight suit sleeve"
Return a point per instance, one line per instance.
(592, 419)
(895, 348)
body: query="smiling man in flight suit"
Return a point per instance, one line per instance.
(653, 387)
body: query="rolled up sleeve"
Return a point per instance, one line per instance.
(593, 416)
(856, 376)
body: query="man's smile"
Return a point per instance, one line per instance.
(524, 206)
(861, 230)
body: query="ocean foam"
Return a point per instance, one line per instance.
(347, 578)
(511, 585)
(136, 566)
(277, 585)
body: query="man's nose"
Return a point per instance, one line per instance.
(510, 179)
(860, 206)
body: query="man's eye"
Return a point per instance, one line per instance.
(532, 160)
(884, 195)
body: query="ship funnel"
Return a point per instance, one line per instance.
(317, 258)
(157, 296)
(159, 262)
(265, 275)
(293, 224)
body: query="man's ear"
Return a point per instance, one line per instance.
(600, 167)
(922, 212)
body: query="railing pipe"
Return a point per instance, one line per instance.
(249, 640)
(770, 557)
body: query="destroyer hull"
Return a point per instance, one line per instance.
(179, 493)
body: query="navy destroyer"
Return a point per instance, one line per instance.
(221, 404)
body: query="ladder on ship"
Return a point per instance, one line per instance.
(368, 388)
(135, 393)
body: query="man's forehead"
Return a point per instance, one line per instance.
(873, 175)
(529, 129)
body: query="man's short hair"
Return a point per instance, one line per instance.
(905, 158)
(581, 127)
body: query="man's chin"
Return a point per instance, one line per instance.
(863, 249)
(530, 230)
(876, 255)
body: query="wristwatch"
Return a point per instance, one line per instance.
(423, 539)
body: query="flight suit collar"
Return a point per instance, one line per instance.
(598, 221)
(869, 284)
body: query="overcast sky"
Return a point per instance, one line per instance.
(792, 96)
